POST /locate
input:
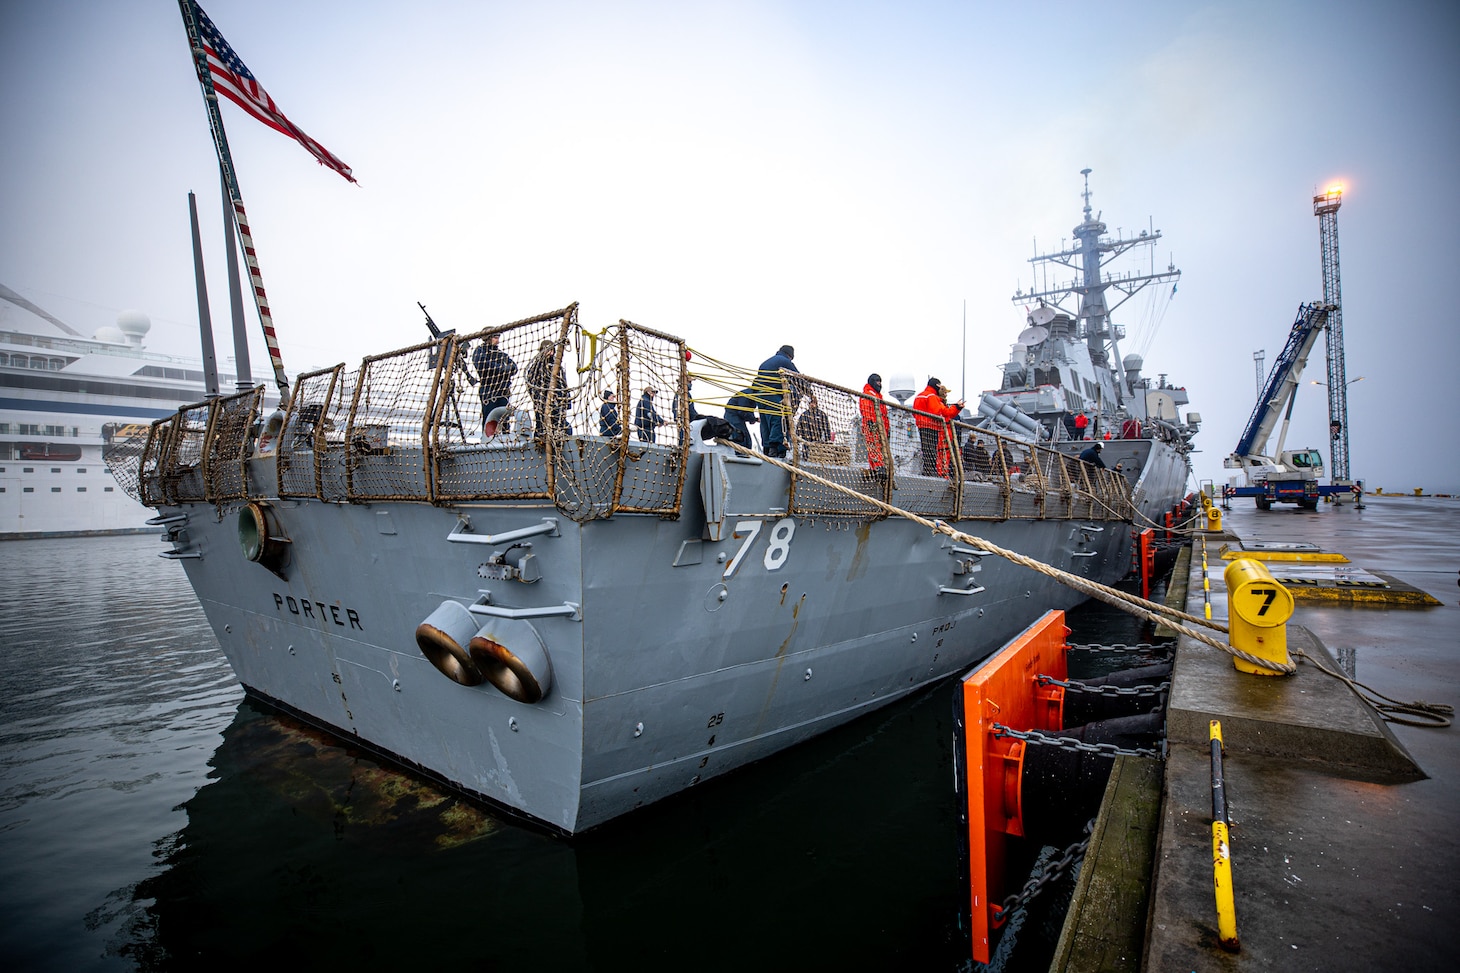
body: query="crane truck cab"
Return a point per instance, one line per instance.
(1291, 477)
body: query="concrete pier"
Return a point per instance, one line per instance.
(1345, 837)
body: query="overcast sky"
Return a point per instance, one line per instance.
(838, 176)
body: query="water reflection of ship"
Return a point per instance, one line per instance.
(302, 843)
(304, 847)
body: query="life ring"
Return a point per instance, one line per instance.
(269, 437)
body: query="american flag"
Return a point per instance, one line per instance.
(233, 80)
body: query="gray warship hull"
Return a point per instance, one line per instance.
(676, 611)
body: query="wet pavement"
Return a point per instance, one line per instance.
(1345, 850)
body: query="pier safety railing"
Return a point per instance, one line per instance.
(543, 409)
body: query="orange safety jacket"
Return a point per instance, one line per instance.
(874, 413)
(928, 401)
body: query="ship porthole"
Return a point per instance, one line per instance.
(525, 676)
(440, 639)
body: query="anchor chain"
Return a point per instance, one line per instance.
(1070, 743)
(1048, 875)
(1143, 648)
(1071, 686)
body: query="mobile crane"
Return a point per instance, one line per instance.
(1285, 475)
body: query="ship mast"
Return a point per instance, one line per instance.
(1089, 288)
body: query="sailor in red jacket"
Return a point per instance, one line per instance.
(875, 427)
(934, 422)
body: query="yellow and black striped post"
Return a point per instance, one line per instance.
(1206, 582)
(1222, 851)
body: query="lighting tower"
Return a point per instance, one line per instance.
(1325, 207)
(1257, 357)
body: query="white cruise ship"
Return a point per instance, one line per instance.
(63, 398)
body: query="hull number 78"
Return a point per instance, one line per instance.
(778, 544)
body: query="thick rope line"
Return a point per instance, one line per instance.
(1149, 610)
(1431, 715)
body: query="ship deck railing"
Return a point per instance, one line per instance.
(408, 426)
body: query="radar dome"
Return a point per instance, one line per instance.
(900, 386)
(1133, 364)
(109, 334)
(135, 325)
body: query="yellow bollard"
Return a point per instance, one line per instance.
(1258, 609)
(1214, 518)
(1222, 850)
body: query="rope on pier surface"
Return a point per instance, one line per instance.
(1430, 715)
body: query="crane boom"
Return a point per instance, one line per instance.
(1282, 383)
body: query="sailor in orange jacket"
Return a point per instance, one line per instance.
(934, 423)
(874, 415)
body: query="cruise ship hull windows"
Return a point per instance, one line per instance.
(38, 363)
(57, 383)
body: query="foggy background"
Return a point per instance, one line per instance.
(842, 177)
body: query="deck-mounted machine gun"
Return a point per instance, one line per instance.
(461, 365)
(1285, 475)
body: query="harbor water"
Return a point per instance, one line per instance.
(152, 818)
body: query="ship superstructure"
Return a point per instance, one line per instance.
(1066, 382)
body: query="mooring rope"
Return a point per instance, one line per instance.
(1140, 607)
(1431, 715)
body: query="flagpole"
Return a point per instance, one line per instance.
(230, 180)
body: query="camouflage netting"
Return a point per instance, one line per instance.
(543, 409)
